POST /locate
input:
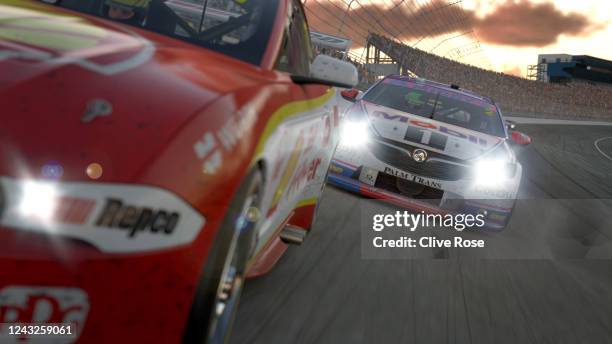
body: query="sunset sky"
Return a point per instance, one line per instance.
(511, 32)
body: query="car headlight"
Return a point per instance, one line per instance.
(493, 172)
(38, 199)
(356, 128)
(495, 168)
(355, 134)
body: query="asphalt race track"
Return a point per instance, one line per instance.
(546, 279)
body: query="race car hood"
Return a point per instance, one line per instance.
(76, 90)
(447, 139)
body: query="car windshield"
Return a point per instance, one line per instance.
(437, 103)
(238, 28)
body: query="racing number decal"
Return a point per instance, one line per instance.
(426, 137)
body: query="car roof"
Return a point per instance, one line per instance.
(440, 85)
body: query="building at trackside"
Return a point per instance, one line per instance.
(564, 68)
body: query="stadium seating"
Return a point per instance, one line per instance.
(514, 95)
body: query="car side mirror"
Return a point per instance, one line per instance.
(519, 138)
(350, 95)
(333, 71)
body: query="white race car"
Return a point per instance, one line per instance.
(430, 147)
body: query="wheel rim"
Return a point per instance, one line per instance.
(232, 277)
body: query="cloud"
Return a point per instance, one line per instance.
(518, 23)
(407, 21)
(525, 24)
(516, 71)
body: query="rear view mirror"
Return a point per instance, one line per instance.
(519, 138)
(350, 95)
(333, 71)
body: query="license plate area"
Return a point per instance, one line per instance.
(368, 176)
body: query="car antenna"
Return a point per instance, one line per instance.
(202, 18)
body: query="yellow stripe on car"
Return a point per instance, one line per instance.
(306, 202)
(286, 111)
(291, 165)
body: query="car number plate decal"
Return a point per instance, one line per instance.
(426, 137)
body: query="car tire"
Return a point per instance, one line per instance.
(216, 300)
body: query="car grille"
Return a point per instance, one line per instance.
(390, 183)
(433, 169)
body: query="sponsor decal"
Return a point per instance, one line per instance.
(43, 305)
(115, 218)
(413, 178)
(418, 133)
(287, 173)
(304, 174)
(494, 193)
(236, 127)
(137, 219)
(296, 169)
(72, 210)
(368, 175)
(335, 169)
(206, 150)
(286, 112)
(97, 108)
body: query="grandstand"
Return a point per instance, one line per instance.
(448, 53)
(514, 95)
(436, 26)
(338, 47)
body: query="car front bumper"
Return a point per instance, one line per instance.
(357, 170)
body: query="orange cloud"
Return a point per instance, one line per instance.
(516, 71)
(524, 24)
(512, 23)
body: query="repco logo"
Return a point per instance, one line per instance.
(137, 219)
(43, 305)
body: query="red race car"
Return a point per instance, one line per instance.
(153, 154)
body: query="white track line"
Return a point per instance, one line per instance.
(599, 149)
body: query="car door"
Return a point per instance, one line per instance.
(322, 131)
(302, 143)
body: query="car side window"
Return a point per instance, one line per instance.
(296, 50)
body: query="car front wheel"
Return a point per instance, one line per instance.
(217, 297)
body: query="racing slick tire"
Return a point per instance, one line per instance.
(216, 299)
